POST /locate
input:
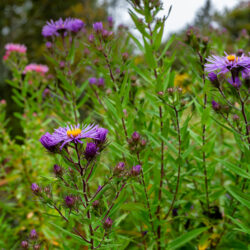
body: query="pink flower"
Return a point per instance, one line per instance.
(39, 68)
(20, 48)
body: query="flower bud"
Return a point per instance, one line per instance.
(62, 64)
(160, 93)
(236, 118)
(36, 247)
(110, 21)
(98, 27)
(96, 204)
(179, 90)
(107, 223)
(3, 102)
(70, 201)
(100, 82)
(125, 56)
(101, 135)
(216, 106)
(86, 52)
(24, 244)
(35, 188)
(240, 52)
(58, 170)
(136, 136)
(49, 45)
(119, 168)
(91, 38)
(136, 170)
(143, 143)
(170, 91)
(90, 150)
(33, 234)
(213, 79)
(92, 80)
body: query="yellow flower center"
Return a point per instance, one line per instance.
(74, 132)
(231, 58)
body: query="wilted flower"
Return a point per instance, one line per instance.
(90, 150)
(107, 223)
(227, 63)
(39, 68)
(98, 26)
(33, 234)
(136, 170)
(69, 134)
(70, 201)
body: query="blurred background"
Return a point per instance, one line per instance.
(21, 21)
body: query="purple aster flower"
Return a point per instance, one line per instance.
(92, 80)
(69, 134)
(107, 223)
(70, 201)
(227, 63)
(136, 170)
(33, 234)
(235, 82)
(75, 25)
(90, 150)
(98, 27)
(215, 105)
(101, 134)
(48, 142)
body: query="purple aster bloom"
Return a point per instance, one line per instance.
(101, 134)
(98, 27)
(70, 201)
(227, 63)
(136, 170)
(91, 150)
(92, 80)
(75, 25)
(53, 28)
(69, 134)
(48, 142)
(107, 223)
(33, 234)
(215, 105)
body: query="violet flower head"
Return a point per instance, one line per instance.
(35, 188)
(215, 105)
(53, 28)
(98, 26)
(101, 134)
(110, 21)
(33, 234)
(108, 223)
(227, 63)
(235, 82)
(69, 134)
(92, 80)
(119, 168)
(136, 170)
(90, 150)
(70, 201)
(135, 136)
(75, 25)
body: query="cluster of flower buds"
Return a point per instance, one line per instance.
(12, 48)
(136, 143)
(196, 40)
(32, 241)
(99, 82)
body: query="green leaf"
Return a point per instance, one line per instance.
(170, 41)
(183, 239)
(76, 237)
(244, 199)
(243, 227)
